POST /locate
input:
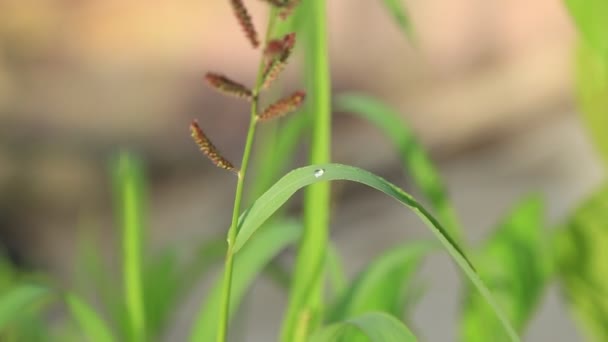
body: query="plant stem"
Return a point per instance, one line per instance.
(307, 295)
(224, 314)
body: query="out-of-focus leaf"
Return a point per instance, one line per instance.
(592, 89)
(582, 251)
(335, 271)
(380, 286)
(265, 206)
(514, 263)
(129, 189)
(93, 327)
(372, 327)
(415, 159)
(248, 264)
(19, 299)
(590, 18)
(400, 15)
(161, 284)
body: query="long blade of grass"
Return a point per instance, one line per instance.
(335, 271)
(17, 300)
(590, 18)
(281, 191)
(415, 160)
(93, 327)
(128, 179)
(400, 15)
(592, 87)
(249, 262)
(379, 287)
(515, 264)
(306, 296)
(581, 253)
(372, 326)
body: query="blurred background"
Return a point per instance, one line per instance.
(487, 87)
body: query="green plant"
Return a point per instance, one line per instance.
(514, 264)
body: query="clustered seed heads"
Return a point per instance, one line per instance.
(275, 56)
(283, 107)
(208, 149)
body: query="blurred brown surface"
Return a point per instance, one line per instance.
(487, 87)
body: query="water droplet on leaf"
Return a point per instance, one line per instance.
(319, 172)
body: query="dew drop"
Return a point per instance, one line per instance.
(319, 172)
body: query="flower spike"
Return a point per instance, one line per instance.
(227, 86)
(209, 149)
(283, 106)
(241, 13)
(278, 52)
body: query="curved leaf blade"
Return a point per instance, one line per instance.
(248, 263)
(379, 287)
(415, 159)
(400, 15)
(515, 265)
(93, 327)
(582, 249)
(374, 326)
(14, 302)
(282, 190)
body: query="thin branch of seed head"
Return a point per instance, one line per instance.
(277, 52)
(288, 8)
(283, 107)
(242, 15)
(208, 149)
(227, 86)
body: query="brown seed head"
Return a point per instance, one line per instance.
(209, 149)
(277, 51)
(283, 107)
(227, 86)
(288, 9)
(241, 13)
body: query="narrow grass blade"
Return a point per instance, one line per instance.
(380, 286)
(161, 281)
(590, 18)
(372, 327)
(515, 264)
(335, 271)
(415, 159)
(128, 179)
(306, 296)
(582, 251)
(400, 15)
(249, 263)
(93, 327)
(18, 300)
(278, 194)
(592, 87)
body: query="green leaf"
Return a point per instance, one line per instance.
(249, 262)
(582, 251)
(306, 294)
(590, 18)
(93, 327)
(373, 326)
(19, 299)
(415, 159)
(281, 191)
(335, 270)
(129, 184)
(380, 286)
(515, 264)
(592, 90)
(400, 15)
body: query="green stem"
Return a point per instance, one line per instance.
(307, 296)
(224, 314)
